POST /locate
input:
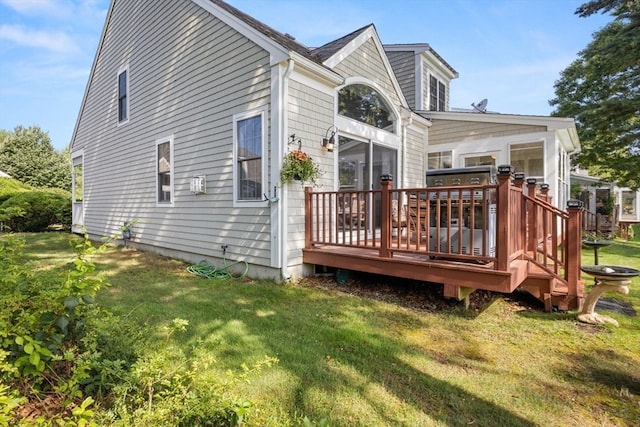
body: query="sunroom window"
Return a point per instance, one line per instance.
(364, 104)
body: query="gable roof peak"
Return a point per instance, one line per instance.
(327, 50)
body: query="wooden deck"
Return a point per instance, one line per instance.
(496, 237)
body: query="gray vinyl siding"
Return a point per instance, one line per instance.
(448, 131)
(404, 67)
(189, 73)
(366, 61)
(415, 162)
(310, 114)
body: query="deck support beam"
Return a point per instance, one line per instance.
(458, 292)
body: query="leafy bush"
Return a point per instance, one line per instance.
(42, 322)
(60, 354)
(10, 187)
(35, 211)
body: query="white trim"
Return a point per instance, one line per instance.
(75, 162)
(353, 45)
(123, 68)
(273, 190)
(304, 79)
(159, 141)
(255, 112)
(419, 81)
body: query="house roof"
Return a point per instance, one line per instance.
(424, 48)
(285, 40)
(564, 126)
(328, 50)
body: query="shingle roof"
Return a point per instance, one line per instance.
(284, 40)
(328, 50)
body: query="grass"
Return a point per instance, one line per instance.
(363, 362)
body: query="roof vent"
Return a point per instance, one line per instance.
(289, 36)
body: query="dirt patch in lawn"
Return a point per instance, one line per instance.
(414, 294)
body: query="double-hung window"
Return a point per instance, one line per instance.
(123, 94)
(249, 141)
(437, 94)
(164, 170)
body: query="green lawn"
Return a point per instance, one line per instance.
(363, 362)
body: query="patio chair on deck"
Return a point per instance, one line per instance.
(418, 221)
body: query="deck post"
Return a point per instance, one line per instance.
(544, 190)
(532, 216)
(503, 219)
(386, 182)
(307, 217)
(574, 245)
(518, 182)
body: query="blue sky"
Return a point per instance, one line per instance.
(508, 51)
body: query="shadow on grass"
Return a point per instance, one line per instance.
(313, 334)
(605, 366)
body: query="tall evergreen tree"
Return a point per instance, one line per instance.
(28, 156)
(601, 89)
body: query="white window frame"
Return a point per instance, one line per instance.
(439, 100)
(516, 145)
(450, 153)
(124, 68)
(77, 159)
(160, 203)
(494, 153)
(257, 112)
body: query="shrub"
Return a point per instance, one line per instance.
(60, 353)
(43, 315)
(35, 211)
(10, 187)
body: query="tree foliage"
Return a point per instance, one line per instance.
(28, 156)
(601, 89)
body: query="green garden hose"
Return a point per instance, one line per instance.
(204, 269)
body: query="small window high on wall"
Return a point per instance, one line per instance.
(123, 94)
(364, 104)
(437, 94)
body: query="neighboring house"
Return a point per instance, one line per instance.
(619, 205)
(183, 128)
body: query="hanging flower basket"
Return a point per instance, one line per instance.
(299, 166)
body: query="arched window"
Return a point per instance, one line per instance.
(364, 104)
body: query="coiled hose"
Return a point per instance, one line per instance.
(206, 270)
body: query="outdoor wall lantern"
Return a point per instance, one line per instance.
(329, 142)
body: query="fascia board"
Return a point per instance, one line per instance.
(552, 123)
(316, 71)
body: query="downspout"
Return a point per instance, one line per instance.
(284, 197)
(406, 121)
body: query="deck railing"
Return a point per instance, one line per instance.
(490, 225)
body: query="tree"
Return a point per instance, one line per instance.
(28, 156)
(601, 89)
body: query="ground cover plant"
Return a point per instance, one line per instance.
(374, 352)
